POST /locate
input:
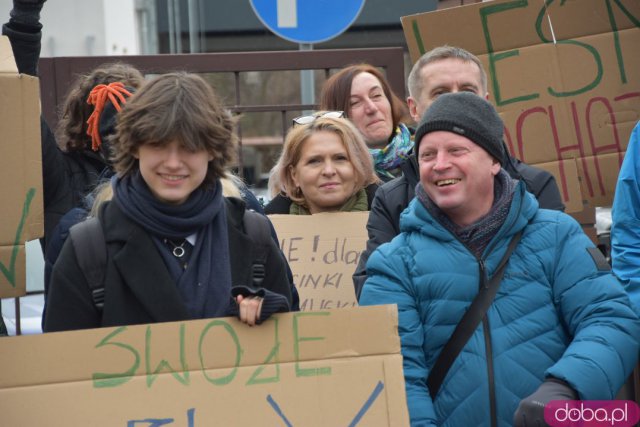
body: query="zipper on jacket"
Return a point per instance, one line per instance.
(488, 350)
(490, 373)
(485, 323)
(483, 274)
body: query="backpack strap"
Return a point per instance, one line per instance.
(88, 242)
(259, 230)
(469, 322)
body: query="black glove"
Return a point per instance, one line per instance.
(26, 12)
(530, 412)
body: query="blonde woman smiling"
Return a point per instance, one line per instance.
(325, 166)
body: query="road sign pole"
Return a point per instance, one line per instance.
(307, 82)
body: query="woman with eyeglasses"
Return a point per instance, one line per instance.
(324, 166)
(366, 97)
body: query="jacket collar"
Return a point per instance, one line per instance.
(523, 207)
(411, 170)
(152, 285)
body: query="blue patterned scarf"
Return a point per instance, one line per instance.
(205, 286)
(387, 160)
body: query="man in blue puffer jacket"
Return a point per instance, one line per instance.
(560, 326)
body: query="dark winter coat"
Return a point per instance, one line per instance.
(138, 286)
(67, 178)
(76, 215)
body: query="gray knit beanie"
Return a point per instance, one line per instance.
(466, 114)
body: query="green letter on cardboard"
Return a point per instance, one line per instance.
(300, 372)
(101, 380)
(10, 272)
(226, 379)
(273, 355)
(616, 39)
(495, 57)
(151, 376)
(589, 48)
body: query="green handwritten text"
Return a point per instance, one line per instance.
(300, 372)
(10, 272)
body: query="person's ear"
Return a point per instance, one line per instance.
(294, 175)
(413, 109)
(486, 96)
(136, 154)
(495, 167)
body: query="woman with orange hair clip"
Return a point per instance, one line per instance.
(71, 164)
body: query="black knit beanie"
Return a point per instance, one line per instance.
(466, 114)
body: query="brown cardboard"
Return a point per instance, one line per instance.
(20, 171)
(321, 368)
(323, 251)
(586, 216)
(570, 185)
(578, 98)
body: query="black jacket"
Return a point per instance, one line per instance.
(393, 197)
(138, 286)
(67, 178)
(281, 204)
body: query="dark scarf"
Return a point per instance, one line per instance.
(477, 235)
(205, 285)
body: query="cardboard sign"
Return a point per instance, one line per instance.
(563, 75)
(323, 251)
(321, 368)
(20, 171)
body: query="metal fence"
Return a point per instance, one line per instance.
(57, 74)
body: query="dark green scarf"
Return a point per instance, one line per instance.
(356, 203)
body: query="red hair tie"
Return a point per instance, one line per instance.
(98, 97)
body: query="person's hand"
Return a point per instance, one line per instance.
(530, 412)
(249, 309)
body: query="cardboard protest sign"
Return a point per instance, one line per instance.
(321, 368)
(20, 171)
(563, 75)
(323, 251)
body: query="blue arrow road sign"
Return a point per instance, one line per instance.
(307, 21)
